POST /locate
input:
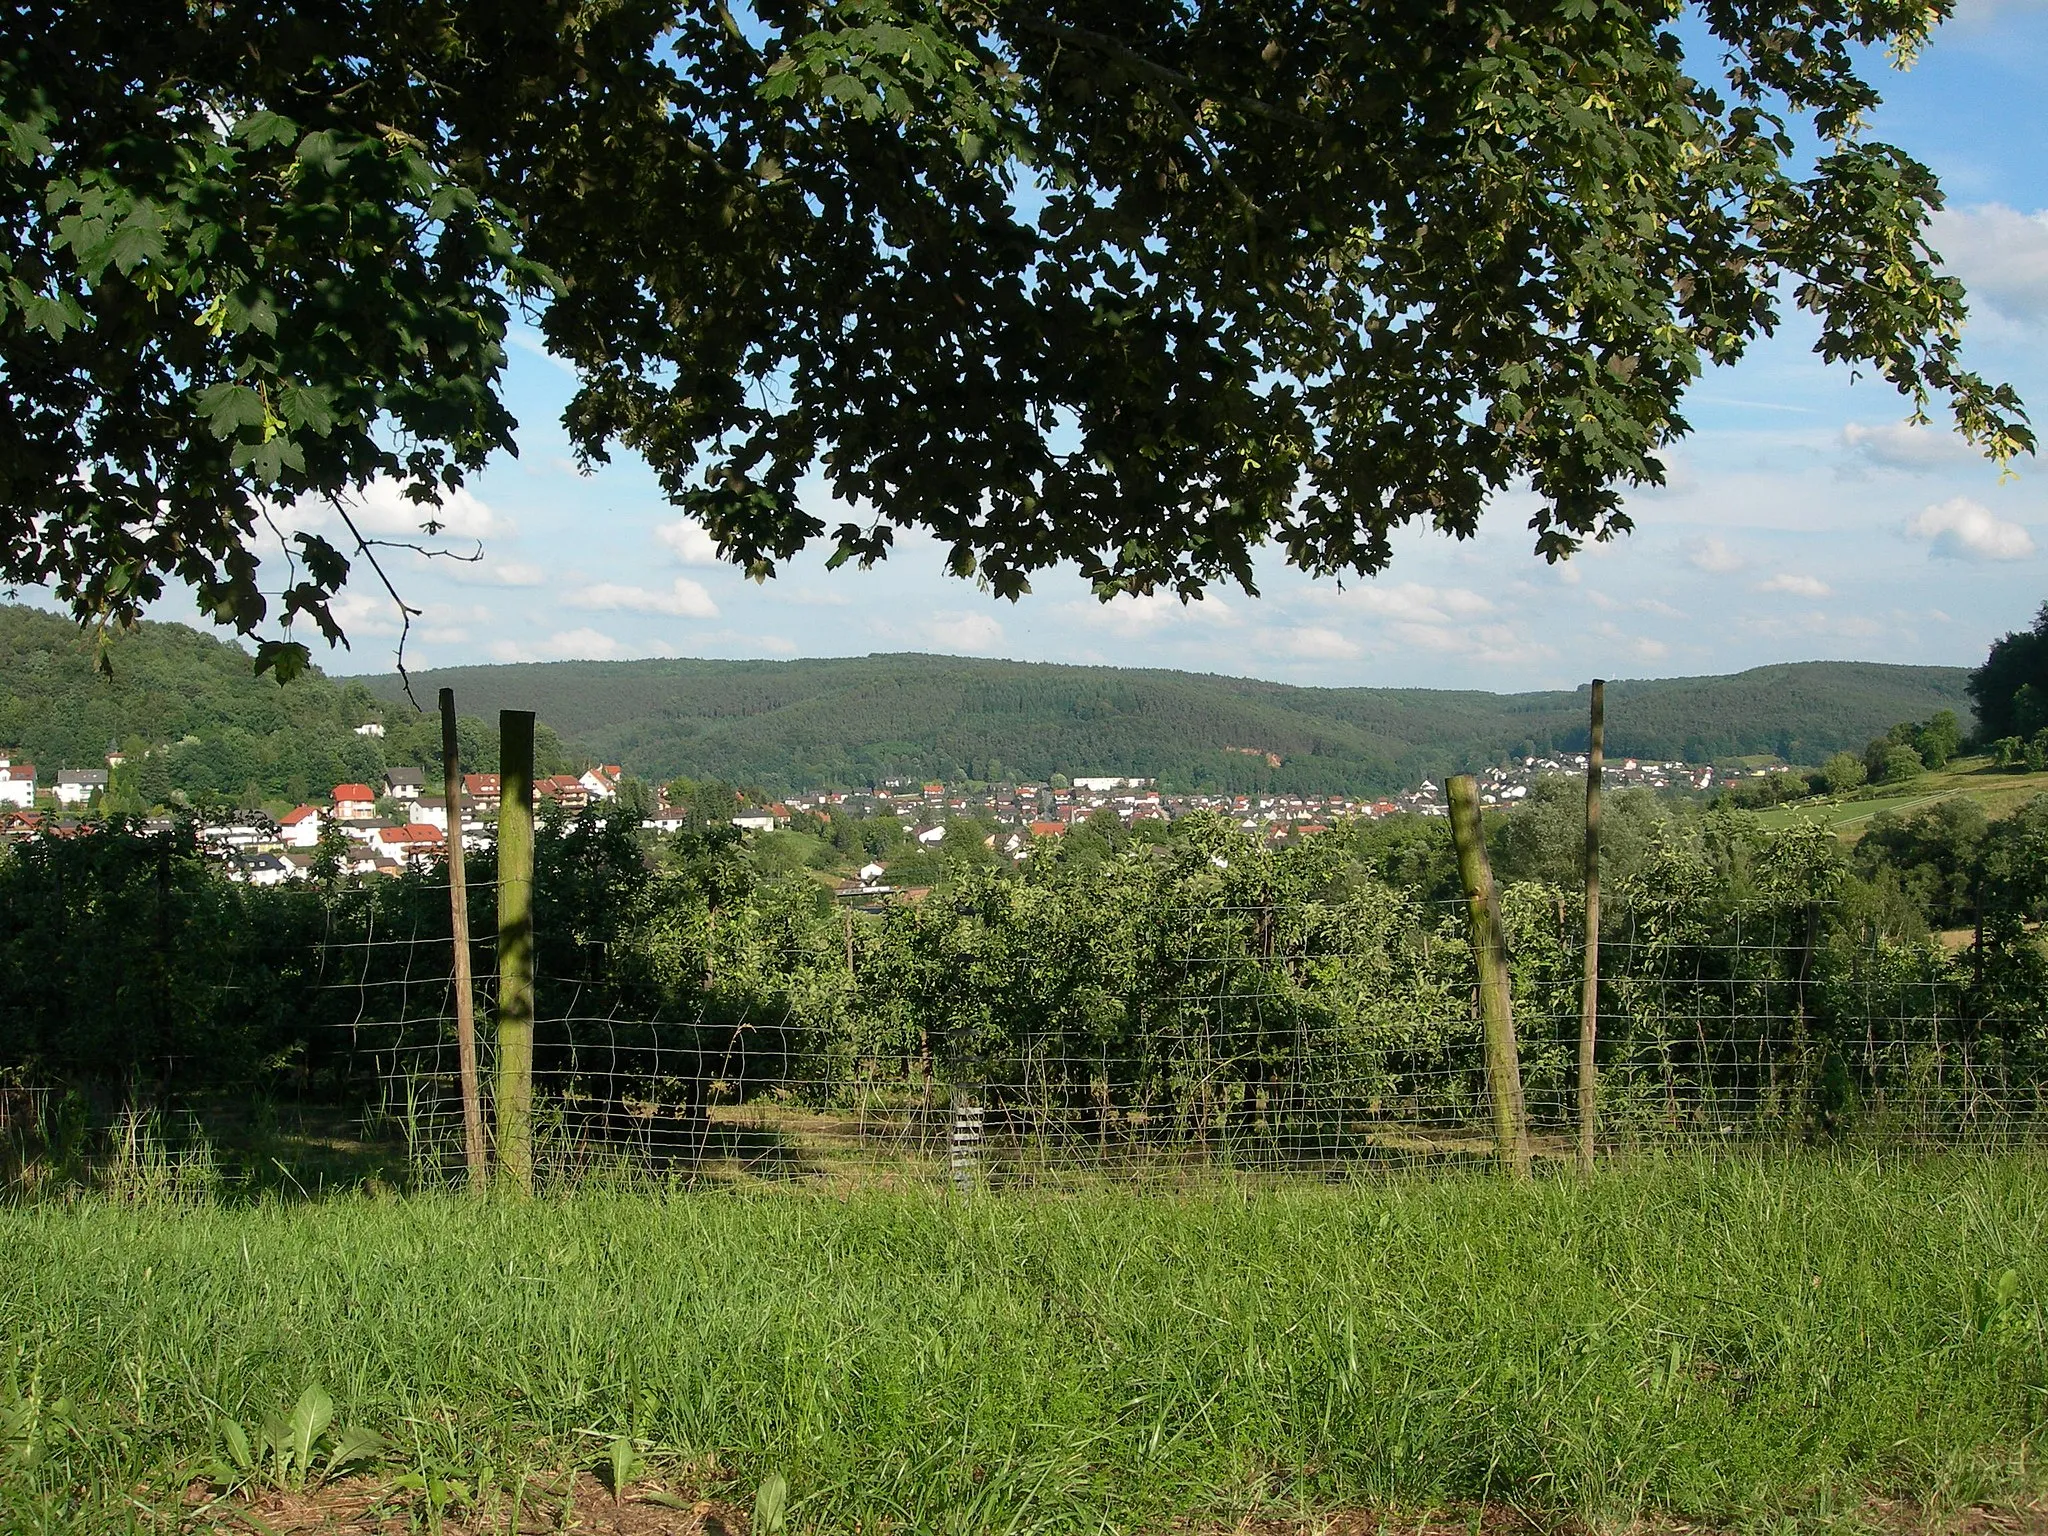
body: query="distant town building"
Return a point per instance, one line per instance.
(300, 828)
(354, 802)
(404, 783)
(77, 786)
(371, 728)
(409, 844)
(18, 785)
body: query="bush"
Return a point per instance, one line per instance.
(1843, 772)
(1900, 764)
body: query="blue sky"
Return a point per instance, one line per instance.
(1804, 518)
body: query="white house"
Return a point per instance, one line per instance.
(602, 782)
(432, 811)
(929, 836)
(870, 873)
(404, 783)
(300, 828)
(409, 844)
(18, 785)
(370, 728)
(262, 869)
(761, 823)
(75, 786)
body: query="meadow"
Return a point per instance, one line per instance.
(2000, 792)
(1758, 1342)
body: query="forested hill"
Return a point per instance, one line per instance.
(797, 724)
(196, 722)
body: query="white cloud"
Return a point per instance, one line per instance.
(1314, 642)
(688, 541)
(1639, 647)
(492, 572)
(360, 612)
(1903, 445)
(974, 633)
(1796, 585)
(563, 645)
(381, 509)
(2001, 255)
(1713, 556)
(532, 341)
(1130, 616)
(685, 599)
(1961, 529)
(1412, 602)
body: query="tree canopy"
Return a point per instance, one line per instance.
(1133, 287)
(2010, 689)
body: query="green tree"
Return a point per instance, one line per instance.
(1938, 739)
(2010, 689)
(1935, 855)
(1139, 290)
(1843, 772)
(1890, 762)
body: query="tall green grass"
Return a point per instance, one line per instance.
(1719, 1339)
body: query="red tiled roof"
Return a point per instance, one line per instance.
(417, 832)
(352, 792)
(303, 813)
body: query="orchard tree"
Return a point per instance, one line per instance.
(1132, 287)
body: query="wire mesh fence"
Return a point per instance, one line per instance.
(1003, 1040)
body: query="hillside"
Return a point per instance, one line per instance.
(194, 719)
(796, 724)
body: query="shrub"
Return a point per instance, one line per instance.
(1843, 772)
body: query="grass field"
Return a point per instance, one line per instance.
(2000, 793)
(1748, 1343)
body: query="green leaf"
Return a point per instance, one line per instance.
(352, 1445)
(260, 129)
(315, 1411)
(230, 407)
(308, 408)
(237, 1438)
(771, 1505)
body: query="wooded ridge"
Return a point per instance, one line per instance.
(851, 721)
(856, 720)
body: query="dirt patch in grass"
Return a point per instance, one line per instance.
(561, 1504)
(540, 1506)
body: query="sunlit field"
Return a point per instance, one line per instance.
(1738, 1342)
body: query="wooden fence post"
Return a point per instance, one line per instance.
(465, 983)
(1490, 951)
(1589, 998)
(515, 947)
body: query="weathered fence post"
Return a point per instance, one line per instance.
(967, 1128)
(1589, 998)
(515, 947)
(1490, 952)
(458, 915)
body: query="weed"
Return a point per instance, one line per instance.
(287, 1451)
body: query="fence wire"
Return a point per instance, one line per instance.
(1286, 1039)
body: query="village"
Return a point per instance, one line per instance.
(402, 821)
